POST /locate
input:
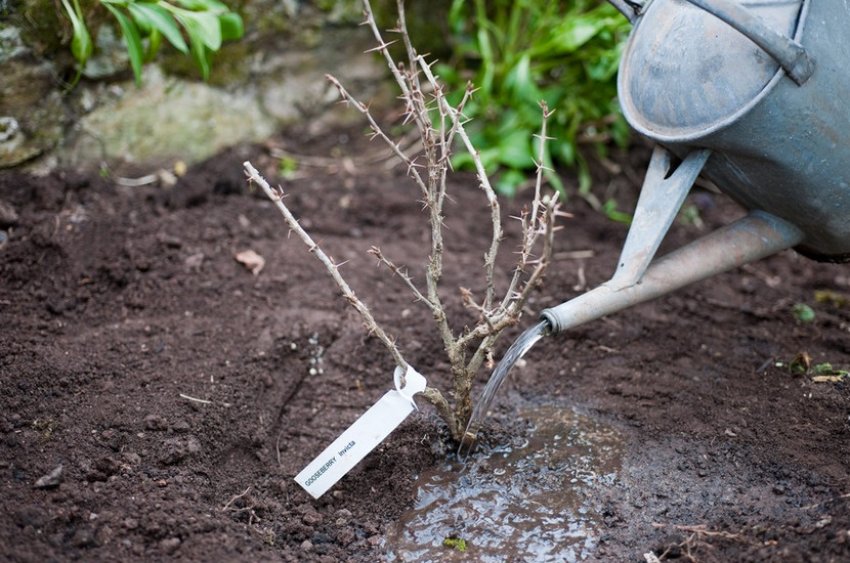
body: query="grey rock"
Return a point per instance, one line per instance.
(32, 113)
(169, 545)
(50, 480)
(270, 79)
(312, 518)
(176, 450)
(8, 215)
(11, 45)
(155, 422)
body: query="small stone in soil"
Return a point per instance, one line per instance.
(169, 545)
(155, 422)
(130, 523)
(181, 426)
(8, 215)
(345, 536)
(51, 480)
(194, 262)
(307, 545)
(178, 449)
(312, 518)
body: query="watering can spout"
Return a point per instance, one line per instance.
(751, 238)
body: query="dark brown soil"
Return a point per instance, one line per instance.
(120, 305)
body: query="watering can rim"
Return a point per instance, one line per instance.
(689, 135)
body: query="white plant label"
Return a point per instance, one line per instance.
(363, 436)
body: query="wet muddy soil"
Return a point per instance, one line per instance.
(156, 397)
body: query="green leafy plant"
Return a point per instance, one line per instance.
(610, 210)
(803, 313)
(458, 544)
(825, 373)
(194, 27)
(519, 52)
(820, 373)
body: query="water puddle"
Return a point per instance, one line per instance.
(531, 500)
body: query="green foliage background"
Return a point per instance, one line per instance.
(144, 23)
(516, 53)
(520, 52)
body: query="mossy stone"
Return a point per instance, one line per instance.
(31, 108)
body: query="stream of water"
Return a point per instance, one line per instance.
(530, 500)
(517, 350)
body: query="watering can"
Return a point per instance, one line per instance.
(753, 95)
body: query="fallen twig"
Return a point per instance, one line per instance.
(195, 399)
(234, 498)
(252, 514)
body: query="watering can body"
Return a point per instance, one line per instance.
(754, 96)
(689, 80)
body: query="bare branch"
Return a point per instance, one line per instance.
(535, 223)
(418, 110)
(436, 398)
(484, 181)
(485, 348)
(497, 324)
(405, 277)
(400, 78)
(333, 270)
(378, 132)
(408, 46)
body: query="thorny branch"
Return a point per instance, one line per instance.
(433, 395)
(277, 197)
(483, 179)
(438, 124)
(249, 508)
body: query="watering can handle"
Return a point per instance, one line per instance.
(628, 8)
(790, 55)
(661, 197)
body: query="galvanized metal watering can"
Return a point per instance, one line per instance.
(755, 96)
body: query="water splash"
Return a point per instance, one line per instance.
(517, 350)
(530, 500)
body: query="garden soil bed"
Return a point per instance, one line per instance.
(121, 307)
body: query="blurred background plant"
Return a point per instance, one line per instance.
(516, 53)
(193, 27)
(565, 52)
(520, 52)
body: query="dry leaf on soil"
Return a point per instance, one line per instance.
(251, 260)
